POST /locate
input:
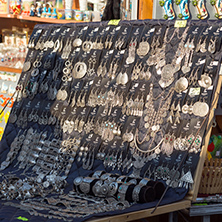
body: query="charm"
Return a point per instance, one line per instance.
(27, 65)
(167, 76)
(187, 180)
(144, 48)
(77, 42)
(200, 109)
(212, 45)
(87, 46)
(122, 79)
(181, 84)
(132, 48)
(205, 81)
(79, 70)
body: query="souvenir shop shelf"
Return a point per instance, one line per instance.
(9, 69)
(45, 20)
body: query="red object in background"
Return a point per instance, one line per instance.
(4, 100)
(211, 147)
(16, 9)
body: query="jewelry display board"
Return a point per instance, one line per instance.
(110, 119)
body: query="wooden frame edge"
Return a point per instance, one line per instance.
(146, 213)
(192, 194)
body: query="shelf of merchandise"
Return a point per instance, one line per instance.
(9, 69)
(7, 16)
(45, 20)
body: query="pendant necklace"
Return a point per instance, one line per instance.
(144, 48)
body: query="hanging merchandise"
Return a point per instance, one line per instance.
(201, 9)
(185, 10)
(168, 9)
(218, 7)
(107, 116)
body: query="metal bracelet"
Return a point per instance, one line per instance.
(136, 193)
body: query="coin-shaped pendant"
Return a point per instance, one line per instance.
(181, 84)
(59, 95)
(64, 95)
(167, 72)
(77, 42)
(185, 69)
(205, 81)
(144, 48)
(204, 109)
(27, 66)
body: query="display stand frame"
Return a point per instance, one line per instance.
(184, 204)
(192, 194)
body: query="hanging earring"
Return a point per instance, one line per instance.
(177, 119)
(83, 100)
(171, 115)
(190, 109)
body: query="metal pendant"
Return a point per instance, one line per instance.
(27, 66)
(167, 77)
(185, 69)
(100, 70)
(87, 46)
(205, 81)
(200, 109)
(122, 79)
(181, 84)
(77, 42)
(35, 72)
(79, 70)
(59, 94)
(144, 48)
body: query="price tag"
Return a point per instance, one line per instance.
(215, 63)
(202, 61)
(122, 51)
(194, 92)
(114, 22)
(180, 23)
